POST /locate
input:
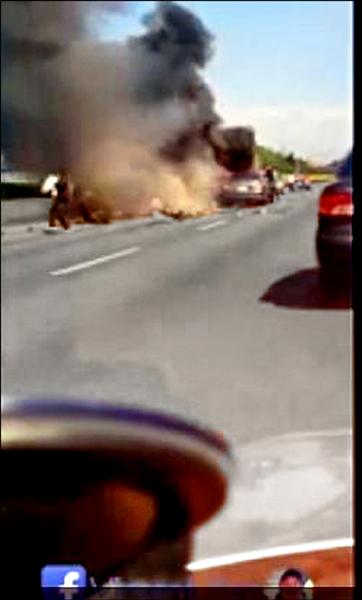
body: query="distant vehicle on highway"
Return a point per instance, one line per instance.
(280, 186)
(284, 183)
(334, 233)
(290, 182)
(303, 182)
(250, 188)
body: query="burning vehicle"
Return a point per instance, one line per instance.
(243, 185)
(148, 126)
(145, 106)
(246, 189)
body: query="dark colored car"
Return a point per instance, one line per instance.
(334, 234)
(246, 189)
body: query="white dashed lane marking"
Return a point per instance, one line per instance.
(212, 225)
(96, 261)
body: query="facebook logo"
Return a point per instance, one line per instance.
(64, 582)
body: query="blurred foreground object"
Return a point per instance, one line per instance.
(117, 490)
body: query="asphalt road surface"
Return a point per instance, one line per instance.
(219, 319)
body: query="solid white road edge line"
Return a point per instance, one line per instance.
(96, 261)
(211, 225)
(230, 559)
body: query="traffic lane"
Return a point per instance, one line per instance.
(231, 357)
(36, 307)
(29, 295)
(17, 243)
(27, 261)
(181, 328)
(81, 239)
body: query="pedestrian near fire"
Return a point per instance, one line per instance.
(61, 199)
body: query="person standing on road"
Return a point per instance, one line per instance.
(59, 210)
(271, 178)
(270, 173)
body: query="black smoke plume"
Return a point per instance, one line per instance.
(132, 116)
(34, 35)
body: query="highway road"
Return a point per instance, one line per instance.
(219, 319)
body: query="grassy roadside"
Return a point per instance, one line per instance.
(322, 177)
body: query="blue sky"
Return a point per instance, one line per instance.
(284, 67)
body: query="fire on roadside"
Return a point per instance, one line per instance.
(148, 126)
